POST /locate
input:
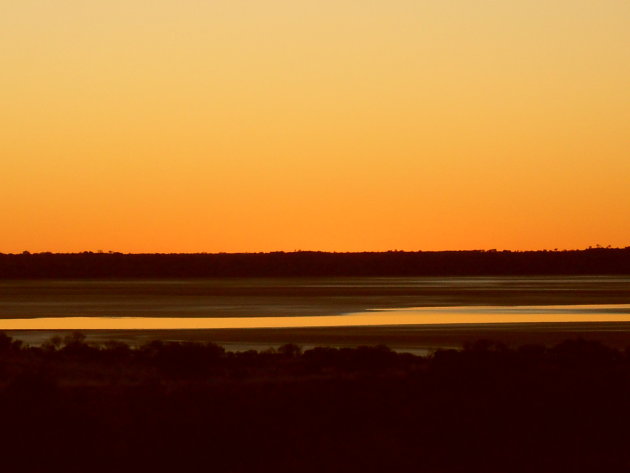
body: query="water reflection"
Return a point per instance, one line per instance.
(303, 297)
(386, 317)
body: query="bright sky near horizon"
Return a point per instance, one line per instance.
(233, 125)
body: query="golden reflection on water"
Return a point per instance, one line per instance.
(410, 316)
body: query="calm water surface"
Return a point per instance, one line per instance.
(309, 302)
(387, 317)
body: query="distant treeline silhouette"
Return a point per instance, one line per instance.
(68, 406)
(313, 263)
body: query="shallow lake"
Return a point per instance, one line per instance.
(383, 317)
(309, 302)
(295, 297)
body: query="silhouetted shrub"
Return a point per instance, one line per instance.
(169, 406)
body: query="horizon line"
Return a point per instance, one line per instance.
(340, 252)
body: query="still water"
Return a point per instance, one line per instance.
(383, 317)
(309, 302)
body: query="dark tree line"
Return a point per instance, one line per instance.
(308, 263)
(68, 406)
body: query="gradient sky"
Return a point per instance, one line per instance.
(232, 125)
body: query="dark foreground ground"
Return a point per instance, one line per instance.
(68, 406)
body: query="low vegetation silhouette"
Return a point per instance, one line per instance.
(164, 406)
(313, 263)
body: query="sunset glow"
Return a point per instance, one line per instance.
(188, 126)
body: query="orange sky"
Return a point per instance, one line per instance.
(232, 125)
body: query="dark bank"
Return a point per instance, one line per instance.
(315, 263)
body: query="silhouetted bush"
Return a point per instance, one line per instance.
(71, 406)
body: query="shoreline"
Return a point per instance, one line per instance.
(425, 337)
